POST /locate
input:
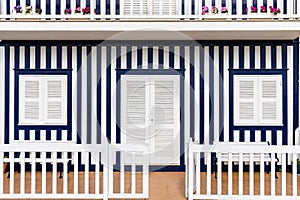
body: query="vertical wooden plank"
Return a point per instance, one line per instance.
(229, 173)
(65, 170)
(121, 7)
(241, 174)
(73, 6)
(74, 94)
(219, 190)
(251, 177)
(283, 174)
(294, 175)
(54, 172)
(11, 173)
(44, 175)
(262, 175)
(208, 177)
(2, 94)
(273, 174)
(225, 91)
(11, 95)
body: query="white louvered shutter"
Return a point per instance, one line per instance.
(166, 121)
(164, 7)
(31, 101)
(56, 100)
(135, 7)
(245, 100)
(134, 106)
(270, 102)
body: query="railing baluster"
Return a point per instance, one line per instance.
(178, 5)
(65, 165)
(198, 187)
(75, 154)
(97, 173)
(208, 174)
(63, 6)
(191, 173)
(262, 174)
(1, 172)
(259, 4)
(53, 8)
(199, 8)
(11, 7)
(11, 173)
(22, 174)
(122, 176)
(33, 171)
(283, 174)
(219, 164)
(33, 4)
(229, 173)
(86, 173)
(73, 7)
(251, 177)
(273, 174)
(241, 174)
(23, 5)
(146, 173)
(54, 172)
(43, 6)
(44, 175)
(3, 7)
(103, 7)
(294, 174)
(133, 174)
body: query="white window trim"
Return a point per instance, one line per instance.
(43, 119)
(258, 121)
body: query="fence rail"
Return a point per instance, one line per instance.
(52, 170)
(149, 9)
(236, 180)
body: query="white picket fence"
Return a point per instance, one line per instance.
(149, 9)
(235, 181)
(95, 184)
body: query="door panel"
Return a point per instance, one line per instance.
(150, 114)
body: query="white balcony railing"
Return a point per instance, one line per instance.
(149, 9)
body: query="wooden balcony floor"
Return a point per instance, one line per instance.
(163, 185)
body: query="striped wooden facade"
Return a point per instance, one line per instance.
(208, 69)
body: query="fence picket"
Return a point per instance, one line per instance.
(54, 172)
(241, 174)
(1, 171)
(283, 174)
(65, 170)
(208, 174)
(294, 174)
(262, 174)
(251, 177)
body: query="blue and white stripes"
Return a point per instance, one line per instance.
(207, 102)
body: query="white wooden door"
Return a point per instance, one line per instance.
(150, 114)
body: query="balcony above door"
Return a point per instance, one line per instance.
(198, 19)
